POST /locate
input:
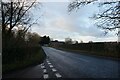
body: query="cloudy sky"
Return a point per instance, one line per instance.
(55, 21)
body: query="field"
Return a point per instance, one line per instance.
(107, 49)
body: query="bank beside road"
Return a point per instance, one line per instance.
(25, 57)
(104, 49)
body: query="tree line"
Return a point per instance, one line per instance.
(20, 46)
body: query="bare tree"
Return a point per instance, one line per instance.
(108, 19)
(78, 3)
(16, 14)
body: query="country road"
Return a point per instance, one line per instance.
(62, 64)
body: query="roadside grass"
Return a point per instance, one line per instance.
(109, 50)
(32, 56)
(96, 54)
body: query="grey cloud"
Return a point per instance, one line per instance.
(59, 24)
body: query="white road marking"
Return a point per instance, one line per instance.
(49, 63)
(54, 70)
(58, 75)
(45, 76)
(44, 70)
(42, 66)
(51, 66)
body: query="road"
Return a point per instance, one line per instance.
(62, 64)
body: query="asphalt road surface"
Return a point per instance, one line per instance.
(62, 64)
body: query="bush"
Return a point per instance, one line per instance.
(109, 49)
(20, 50)
(22, 58)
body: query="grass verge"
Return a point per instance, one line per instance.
(32, 56)
(96, 54)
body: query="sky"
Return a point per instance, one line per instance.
(55, 21)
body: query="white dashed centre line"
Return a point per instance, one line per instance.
(54, 70)
(51, 66)
(58, 75)
(45, 76)
(49, 63)
(42, 66)
(44, 70)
